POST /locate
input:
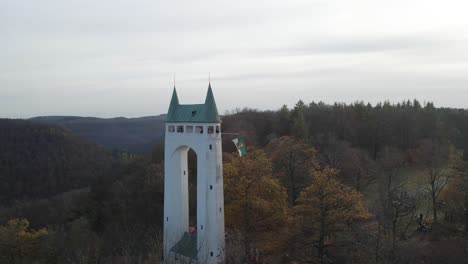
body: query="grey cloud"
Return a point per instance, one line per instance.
(359, 44)
(116, 57)
(319, 72)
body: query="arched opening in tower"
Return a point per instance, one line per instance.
(192, 188)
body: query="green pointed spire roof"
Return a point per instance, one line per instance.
(193, 113)
(173, 105)
(211, 112)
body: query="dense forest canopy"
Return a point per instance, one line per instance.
(341, 183)
(362, 125)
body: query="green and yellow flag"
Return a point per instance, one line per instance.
(240, 145)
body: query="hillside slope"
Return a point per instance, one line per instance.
(136, 135)
(38, 160)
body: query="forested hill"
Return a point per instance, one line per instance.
(38, 160)
(369, 127)
(395, 178)
(136, 135)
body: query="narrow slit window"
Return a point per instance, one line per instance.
(217, 130)
(211, 187)
(189, 129)
(180, 129)
(211, 146)
(210, 129)
(199, 129)
(171, 129)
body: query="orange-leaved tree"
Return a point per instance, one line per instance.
(328, 206)
(255, 204)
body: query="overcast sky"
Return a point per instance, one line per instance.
(112, 58)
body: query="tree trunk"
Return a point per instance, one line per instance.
(394, 237)
(434, 205)
(466, 211)
(321, 244)
(291, 184)
(247, 231)
(358, 182)
(291, 193)
(377, 244)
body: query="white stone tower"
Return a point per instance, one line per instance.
(196, 127)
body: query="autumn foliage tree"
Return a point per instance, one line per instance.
(355, 167)
(292, 160)
(396, 209)
(434, 158)
(456, 194)
(327, 207)
(18, 242)
(255, 204)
